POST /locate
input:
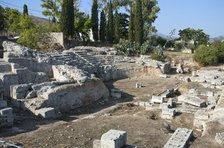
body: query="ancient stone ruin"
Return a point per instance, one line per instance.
(47, 84)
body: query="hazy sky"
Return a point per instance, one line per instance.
(174, 14)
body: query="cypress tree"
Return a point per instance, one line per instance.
(110, 24)
(102, 26)
(25, 10)
(67, 18)
(2, 18)
(94, 20)
(138, 23)
(117, 27)
(131, 28)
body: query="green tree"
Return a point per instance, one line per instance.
(110, 24)
(150, 9)
(197, 36)
(138, 23)
(131, 37)
(52, 9)
(12, 21)
(67, 18)
(25, 10)
(2, 18)
(25, 22)
(124, 23)
(82, 26)
(95, 20)
(102, 26)
(117, 27)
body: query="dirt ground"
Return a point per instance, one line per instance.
(80, 127)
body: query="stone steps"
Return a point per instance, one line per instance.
(5, 67)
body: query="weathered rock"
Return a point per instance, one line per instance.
(47, 113)
(66, 72)
(71, 96)
(165, 68)
(8, 79)
(20, 91)
(114, 139)
(219, 137)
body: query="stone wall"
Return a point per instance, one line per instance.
(70, 96)
(57, 37)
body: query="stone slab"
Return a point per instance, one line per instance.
(157, 99)
(179, 139)
(114, 139)
(192, 100)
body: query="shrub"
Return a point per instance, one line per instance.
(156, 56)
(35, 38)
(125, 47)
(206, 55)
(29, 38)
(145, 48)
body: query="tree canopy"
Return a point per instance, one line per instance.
(197, 36)
(52, 9)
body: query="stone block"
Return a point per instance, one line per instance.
(47, 113)
(219, 138)
(192, 100)
(3, 104)
(20, 91)
(114, 139)
(168, 113)
(143, 104)
(5, 67)
(200, 117)
(8, 79)
(157, 99)
(179, 139)
(97, 143)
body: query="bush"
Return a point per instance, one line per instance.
(125, 47)
(35, 38)
(156, 56)
(178, 46)
(29, 38)
(206, 55)
(146, 46)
